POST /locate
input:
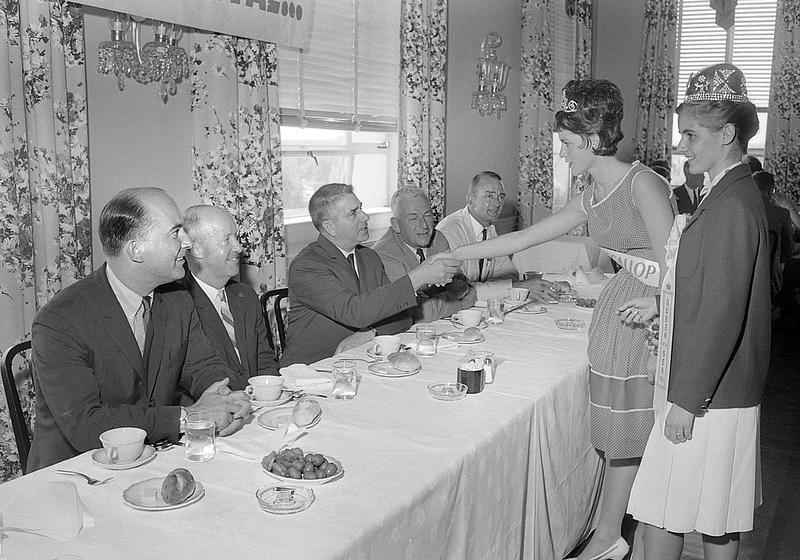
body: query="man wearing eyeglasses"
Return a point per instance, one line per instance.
(475, 222)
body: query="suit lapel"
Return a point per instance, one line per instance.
(155, 348)
(210, 319)
(718, 191)
(339, 262)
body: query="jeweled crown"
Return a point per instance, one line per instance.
(719, 82)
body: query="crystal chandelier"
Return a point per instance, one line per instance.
(159, 61)
(489, 99)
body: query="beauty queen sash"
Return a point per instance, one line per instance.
(666, 320)
(644, 270)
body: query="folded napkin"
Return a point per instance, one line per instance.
(300, 376)
(49, 509)
(254, 449)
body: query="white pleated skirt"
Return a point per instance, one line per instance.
(710, 484)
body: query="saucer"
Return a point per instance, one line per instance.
(278, 417)
(458, 337)
(146, 495)
(457, 322)
(285, 397)
(99, 458)
(383, 369)
(375, 356)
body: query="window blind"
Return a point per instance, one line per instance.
(348, 78)
(702, 43)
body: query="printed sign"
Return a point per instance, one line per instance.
(644, 270)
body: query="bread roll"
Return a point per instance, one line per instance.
(404, 361)
(471, 333)
(177, 486)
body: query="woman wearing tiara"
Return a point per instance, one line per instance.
(629, 213)
(700, 469)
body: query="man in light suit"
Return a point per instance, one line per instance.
(475, 222)
(410, 240)
(687, 194)
(337, 287)
(117, 348)
(229, 311)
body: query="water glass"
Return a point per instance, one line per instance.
(200, 437)
(426, 341)
(344, 379)
(495, 306)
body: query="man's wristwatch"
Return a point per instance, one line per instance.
(182, 428)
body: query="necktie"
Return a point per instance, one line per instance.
(140, 323)
(227, 319)
(351, 258)
(480, 262)
(421, 255)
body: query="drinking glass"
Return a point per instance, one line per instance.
(426, 340)
(200, 437)
(344, 379)
(495, 306)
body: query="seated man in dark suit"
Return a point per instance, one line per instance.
(410, 240)
(338, 287)
(117, 348)
(229, 311)
(687, 194)
(779, 223)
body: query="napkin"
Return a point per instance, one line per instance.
(300, 376)
(254, 449)
(50, 509)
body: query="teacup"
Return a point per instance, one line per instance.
(265, 387)
(123, 445)
(517, 294)
(386, 344)
(470, 317)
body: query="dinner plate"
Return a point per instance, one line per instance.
(532, 309)
(146, 495)
(285, 397)
(278, 417)
(385, 369)
(99, 458)
(457, 322)
(458, 336)
(316, 482)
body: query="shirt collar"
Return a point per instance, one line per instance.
(209, 290)
(476, 225)
(709, 183)
(129, 300)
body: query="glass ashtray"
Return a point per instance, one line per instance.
(283, 500)
(448, 391)
(570, 324)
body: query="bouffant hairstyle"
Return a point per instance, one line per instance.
(715, 114)
(597, 109)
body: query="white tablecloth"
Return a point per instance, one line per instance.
(505, 474)
(565, 251)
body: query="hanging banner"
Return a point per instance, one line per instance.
(277, 21)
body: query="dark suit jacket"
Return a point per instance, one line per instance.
(90, 375)
(721, 339)
(779, 222)
(685, 204)
(257, 357)
(434, 302)
(327, 302)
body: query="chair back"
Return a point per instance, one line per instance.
(18, 388)
(275, 308)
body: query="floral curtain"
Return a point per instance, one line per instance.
(656, 100)
(45, 222)
(782, 150)
(423, 72)
(538, 97)
(236, 145)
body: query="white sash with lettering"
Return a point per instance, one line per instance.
(667, 319)
(645, 270)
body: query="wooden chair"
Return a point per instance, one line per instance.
(274, 316)
(12, 380)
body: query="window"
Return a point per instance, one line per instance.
(339, 104)
(747, 44)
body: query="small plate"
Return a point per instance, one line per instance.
(458, 337)
(457, 322)
(570, 324)
(99, 458)
(285, 397)
(275, 418)
(146, 495)
(316, 482)
(448, 391)
(385, 369)
(532, 309)
(284, 500)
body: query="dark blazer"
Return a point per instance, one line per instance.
(90, 375)
(722, 301)
(327, 302)
(685, 204)
(257, 357)
(434, 302)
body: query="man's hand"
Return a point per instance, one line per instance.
(541, 291)
(438, 269)
(227, 408)
(679, 424)
(355, 339)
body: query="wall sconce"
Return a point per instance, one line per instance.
(492, 75)
(161, 60)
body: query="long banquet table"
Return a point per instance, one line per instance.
(508, 473)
